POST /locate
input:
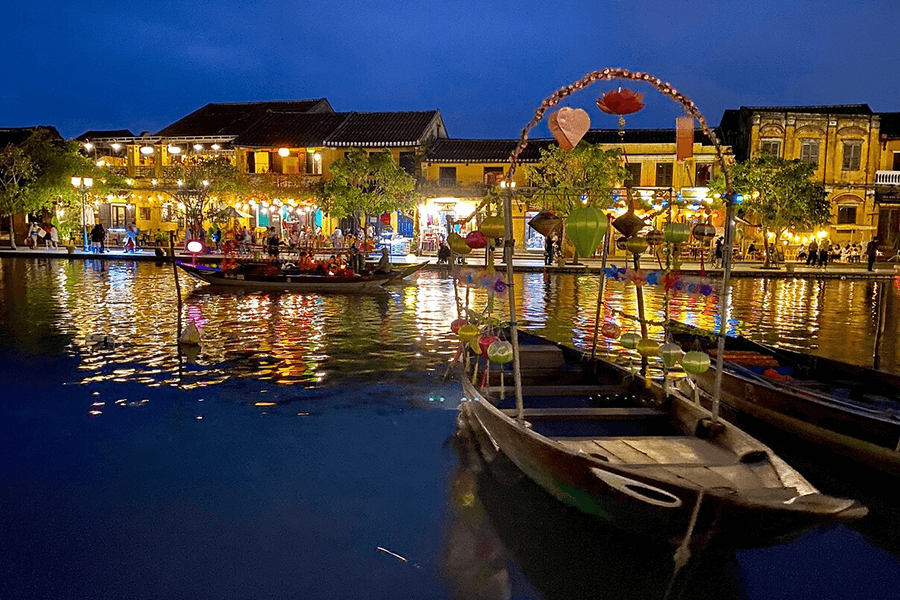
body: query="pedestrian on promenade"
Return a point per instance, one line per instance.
(54, 237)
(720, 246)
(812, 255)
(98, 238)
(548, 250)
(824, 251)
(871, 252)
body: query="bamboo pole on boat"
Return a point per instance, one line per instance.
(724, 299)
(508, 245)
(606, 239)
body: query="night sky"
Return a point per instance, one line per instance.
(485, 65)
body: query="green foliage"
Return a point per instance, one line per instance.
(563, 177)
(778, 195)
(367, 184)
(195, 186)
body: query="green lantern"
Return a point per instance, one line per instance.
(676, 233)
(636, 245)
(493, 227)
(500, 352)
(458, 244)
(670, 353)
(695, 362)
(586, 227)
(469, 332)
(630, 340)
(647, 347)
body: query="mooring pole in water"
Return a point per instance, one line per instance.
(606, 239)
(881, 317)
(508, 245)
(177, 299)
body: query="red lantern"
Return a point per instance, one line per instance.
(620, 102)
(655, 238)
(611, 330)
(455, 325)
(476, 239)
(485, 341)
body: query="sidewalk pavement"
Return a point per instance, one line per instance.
(523, 261)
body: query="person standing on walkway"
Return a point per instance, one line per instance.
(98, 238)
(812, 255)
(871, 252)
(548, 250)
(720, 246)
(824, 251)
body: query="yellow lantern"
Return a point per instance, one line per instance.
(493, 227)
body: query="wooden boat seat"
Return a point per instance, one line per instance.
(541, 357)
(557, 390)
(538, 414)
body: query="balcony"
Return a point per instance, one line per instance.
(887, 177)
(283, 180)
(452, 187)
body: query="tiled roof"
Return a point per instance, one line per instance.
(233, 118)
(890, 124)
(292, 130)
(17, 135)
(98, 134)
(835, 109)
(409, 128)
(482, 151)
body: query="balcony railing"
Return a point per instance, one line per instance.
(887, 177)
(452, 185)
(283, 180)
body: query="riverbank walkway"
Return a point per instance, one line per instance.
(523, 261)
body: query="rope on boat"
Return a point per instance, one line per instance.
(683, 552)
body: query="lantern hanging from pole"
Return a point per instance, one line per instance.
(468, 332)
(620, 242)
(476, 239)
(611, 330)
(704, 233)
(636, 245)
(568, 126)
(458, 244)
(647, 347)
(493, 227)
(545, 223)
(630, 340)
(670, 353)
(654, 238)
(455, 325)
(586, 227)
(621, 102)
(676, 233)
(500, 352)
(695, 362)
(485, 341)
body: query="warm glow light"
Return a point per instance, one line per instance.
(153, 182)
(206, 182)
(88, 146)
(101, 163)
(317, 156)
(216, 146)
(145, 150)
(175, 149)
(822, 233)
(283, 152)
(194, 247)
(88, 182)
(129, 181)
(180, 182)
(76, 181)
(198, 147)
(117, 146)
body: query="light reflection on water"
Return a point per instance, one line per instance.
(65, 306)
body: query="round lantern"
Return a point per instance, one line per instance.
(611, 330)
(695, 362)
(655, 238)
(468, 332)
(676, 233)
(500, 352)
(485, 341)
(458, 244)
(630, 340)
(704, 233)
(476, 239)
(620, 242)
(455, 325)
(670, 353)
(636, 245)
(586, 227)
(493, 227)
(647, 347)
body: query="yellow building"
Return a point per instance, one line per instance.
(887, 181)
(841, 141)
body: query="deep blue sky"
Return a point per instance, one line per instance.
(487, 65)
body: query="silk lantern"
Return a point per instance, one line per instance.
(636, 245)
(455, 325)
(493, 227)
(676, 233)
(647, 347)
(695, 362)
(630, 340)
(586, 227)
(670, 353)
(704, 233)
(611, 330)
(655, 238)
(458, 244)
(468, 332)
(485, 341)
(476, 239)
(500, 352)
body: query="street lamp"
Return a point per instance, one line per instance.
(83, 183)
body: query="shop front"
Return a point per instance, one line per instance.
(434, 215)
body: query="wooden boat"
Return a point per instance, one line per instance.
(602, 440)
(265, 277)
(853, 410)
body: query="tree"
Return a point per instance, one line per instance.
(195, 186)
(564, 178)
(367, 184)
(35, 175)
(778, 195)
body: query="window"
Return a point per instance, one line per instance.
(261, 162)
(896, 166)
(772, 147)
(664, 174)
(145, 213)
(634, 173)
(117, 218)
(448, 176)
(852, 153)
(846, 215)
(408, 162)
(492, 175)
(167, 213)
(809, 152)
(702, 174)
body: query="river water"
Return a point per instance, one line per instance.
(308, 450)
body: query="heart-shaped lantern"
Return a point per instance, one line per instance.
(568, 126)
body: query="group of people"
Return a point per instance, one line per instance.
(820, 254)
(39, 231)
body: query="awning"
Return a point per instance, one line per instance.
(233, 213)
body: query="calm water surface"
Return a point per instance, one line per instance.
(307, 449)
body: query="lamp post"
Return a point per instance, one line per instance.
(83, 183)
